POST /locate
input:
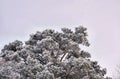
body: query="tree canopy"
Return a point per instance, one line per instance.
(50, 55)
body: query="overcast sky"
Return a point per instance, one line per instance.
(19, 18)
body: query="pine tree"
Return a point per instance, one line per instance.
(50, 55)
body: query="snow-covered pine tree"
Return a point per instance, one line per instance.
(50, 55)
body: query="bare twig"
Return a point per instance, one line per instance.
(63, 56)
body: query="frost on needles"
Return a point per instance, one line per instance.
(50, 55)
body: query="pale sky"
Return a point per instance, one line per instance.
(19, 18)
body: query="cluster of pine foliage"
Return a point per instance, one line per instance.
(50, 55)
